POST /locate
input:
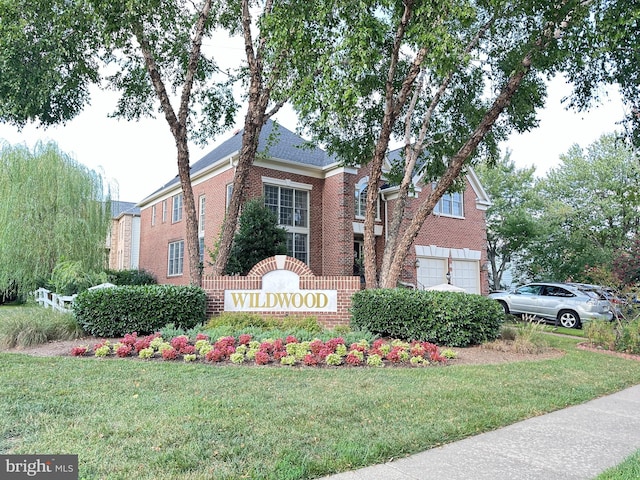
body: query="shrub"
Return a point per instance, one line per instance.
(111, 312)
(629, 340)
(620, 336)
(246, 320)
(130, 277)
(601, 333)
(238, 320)
(444, 318)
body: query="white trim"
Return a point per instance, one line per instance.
(200, 176)
(337, 169)
(483, 201)
(286, 183)
(358, 227)
(465, 254)
(432, 251)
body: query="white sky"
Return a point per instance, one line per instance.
(141, 156)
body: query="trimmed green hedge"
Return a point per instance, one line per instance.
(444, 318)
(113, 312)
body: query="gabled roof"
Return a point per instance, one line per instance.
(118, 208)
(482, 198)
(275, 142)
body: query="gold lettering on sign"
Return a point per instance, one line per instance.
(279, 300)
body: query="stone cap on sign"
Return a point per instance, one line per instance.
(280, 262)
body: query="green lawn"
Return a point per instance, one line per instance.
(628, 470)
(154, 420)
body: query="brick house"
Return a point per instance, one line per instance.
(321, 205)
(123, 238)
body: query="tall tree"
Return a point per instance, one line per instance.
(511, 225)
(590, 209)
(153, 51)
(608, 53)
(265, 97)
(450, 78)
(51, 209)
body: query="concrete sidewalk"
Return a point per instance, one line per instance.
(574, 443)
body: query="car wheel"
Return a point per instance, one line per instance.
(569, 319)
(505, 306)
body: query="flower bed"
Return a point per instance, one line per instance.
(288, 351)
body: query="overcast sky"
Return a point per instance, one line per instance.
(141, 156)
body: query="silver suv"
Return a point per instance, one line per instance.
(567, 305)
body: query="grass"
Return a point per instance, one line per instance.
(25, 326)
(155, 420)
(572, 332)
(627, 470)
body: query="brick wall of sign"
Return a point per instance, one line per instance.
(345, 286)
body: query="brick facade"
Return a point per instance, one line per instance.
(333, 227)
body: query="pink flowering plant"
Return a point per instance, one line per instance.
(287, 351)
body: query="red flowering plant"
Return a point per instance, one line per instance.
(287, 351)
(130, 339)
(310, 360)
(123, 350)
(179, 342)
(215, 355)
(169, 353)
(262, 358)
(79, 351)
(188, 350)
(143, 343)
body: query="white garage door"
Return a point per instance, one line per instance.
(432, 271)
(466, 274)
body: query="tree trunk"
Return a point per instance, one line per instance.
(452, 172)
(178, 125)
(259, 97)
(193, 245)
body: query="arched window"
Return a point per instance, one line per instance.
(361, 190)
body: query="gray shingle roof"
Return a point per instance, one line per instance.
(118, 208)
(275, 142)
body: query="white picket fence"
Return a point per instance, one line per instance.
(62, 303)
(48, 299)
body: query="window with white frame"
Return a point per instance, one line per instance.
(201, 245)
(361, 190)
(164, 211)
(450, 205)
(177, 208)
(291, 206)
(201, 214)
(153, 215)
(229, 193)
(176, 258)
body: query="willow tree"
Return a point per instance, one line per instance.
(51, 209)
(447, 79)
(148, 50)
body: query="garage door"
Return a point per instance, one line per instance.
(466, 274)
(432, 271)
